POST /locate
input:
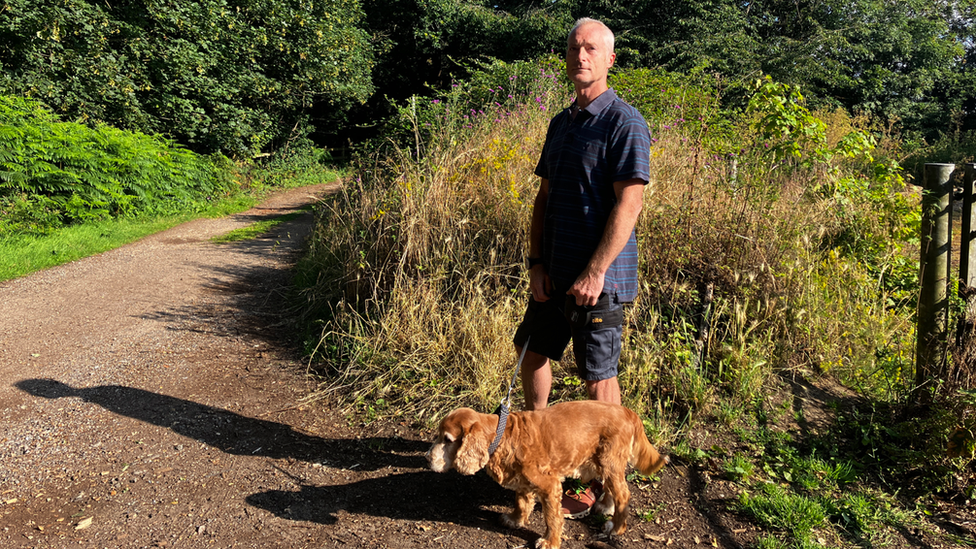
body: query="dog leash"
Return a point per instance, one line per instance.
(506, 403)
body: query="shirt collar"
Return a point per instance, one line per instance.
(600, 103)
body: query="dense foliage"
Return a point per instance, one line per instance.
(894, 60)
(238, 76)
(53, 172)
(216, 75)
(427, 42)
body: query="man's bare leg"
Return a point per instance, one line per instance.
(606, 390)
(536, 380)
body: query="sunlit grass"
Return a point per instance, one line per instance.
(254, 230)
(776, 508)
(21, 255)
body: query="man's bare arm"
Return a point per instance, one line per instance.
(622, 220)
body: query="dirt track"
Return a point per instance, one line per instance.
(149, 400)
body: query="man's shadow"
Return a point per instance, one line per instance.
(236, 434)
(414, 496)
(418, 495)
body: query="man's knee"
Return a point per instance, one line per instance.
(606, 390)
(533, 361)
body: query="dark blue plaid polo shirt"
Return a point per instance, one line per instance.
(608, 141)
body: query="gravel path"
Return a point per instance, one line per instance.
(138, 383)
(152, 398)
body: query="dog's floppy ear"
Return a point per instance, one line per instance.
(476, 436)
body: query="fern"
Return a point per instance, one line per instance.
(69, 172)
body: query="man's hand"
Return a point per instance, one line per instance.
(588, 288)
(539, 283)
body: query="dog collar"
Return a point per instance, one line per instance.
(502, 420)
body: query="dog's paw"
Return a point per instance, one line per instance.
(602, 507)
(611, 529)
(510, 520)
(543, 543)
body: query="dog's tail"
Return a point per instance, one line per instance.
(646, 458)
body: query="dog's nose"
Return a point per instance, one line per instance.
(436, 459)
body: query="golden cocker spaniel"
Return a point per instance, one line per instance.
(584, 439)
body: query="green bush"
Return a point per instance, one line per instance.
(53, 172)
(216, 75)
(776, 508)
(669, 100)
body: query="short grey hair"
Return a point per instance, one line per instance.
(582, 21)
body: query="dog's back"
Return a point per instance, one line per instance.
(575, 432)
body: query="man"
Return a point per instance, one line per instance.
(582, 247)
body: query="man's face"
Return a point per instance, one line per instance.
(588, 59)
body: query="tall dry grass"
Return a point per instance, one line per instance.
(753, 262)
(421, 255)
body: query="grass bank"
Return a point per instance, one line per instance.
(778, 259)
(68, 190)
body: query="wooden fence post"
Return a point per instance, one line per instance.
(933, 301)
(963, 371)
(967, 259)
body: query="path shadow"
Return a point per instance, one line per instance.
(257, 296)
(724, 534)
(417, 495)
(815, 406)
(424, 495)
(256, 300)
(236, 434)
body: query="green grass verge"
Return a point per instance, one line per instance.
(254, 230)
(22, 254)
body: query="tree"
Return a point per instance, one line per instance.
(427, 43)
(424, 46)
(903, 60)
(886, 59)
(218, 75)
